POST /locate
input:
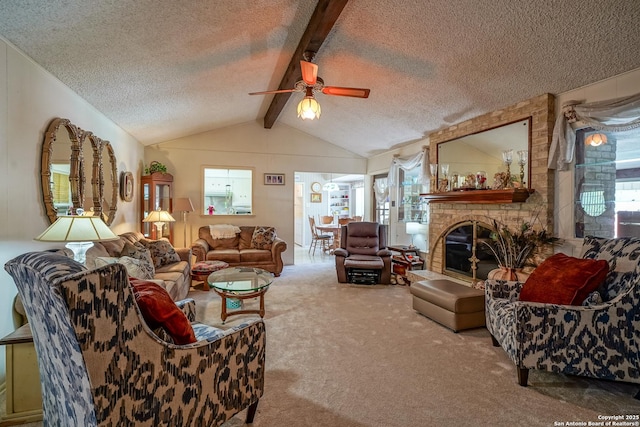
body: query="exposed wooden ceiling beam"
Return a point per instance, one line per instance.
(320, 24)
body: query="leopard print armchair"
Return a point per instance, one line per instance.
(100, 364)
(599, 339)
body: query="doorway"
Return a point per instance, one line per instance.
(320, 194)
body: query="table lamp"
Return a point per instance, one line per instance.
(159, 217)
(413, 228)
(79, 231)
(183, 205)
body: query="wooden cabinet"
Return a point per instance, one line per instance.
(157, 193)
(23, 395)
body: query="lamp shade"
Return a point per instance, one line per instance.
(77, 229)
(596, 139)
(159, 216)
(415, 228)
(309, 108)
(183, 204)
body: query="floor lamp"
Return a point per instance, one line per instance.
(184, 206)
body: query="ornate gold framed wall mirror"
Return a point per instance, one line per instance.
(78, 170)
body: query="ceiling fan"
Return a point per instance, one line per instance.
(309, 108)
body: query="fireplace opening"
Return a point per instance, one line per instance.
(466, 255)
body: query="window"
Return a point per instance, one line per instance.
(381, 198)
(227, 191)
(607, 184)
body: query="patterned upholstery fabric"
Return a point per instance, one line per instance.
(137, 250)
(599, 340)
(162, 252)
(100, 364)
(263, 238)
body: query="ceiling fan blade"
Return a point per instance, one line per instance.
(346, 91)
(267, 92)
(309, 72)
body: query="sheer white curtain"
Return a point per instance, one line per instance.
(408, 163)
(614, 115)
(380, 190)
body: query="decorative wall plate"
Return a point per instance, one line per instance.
(126, 186)
(316, 187)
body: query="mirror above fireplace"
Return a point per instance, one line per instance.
(483, 151)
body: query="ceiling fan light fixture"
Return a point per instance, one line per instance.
(309, 108)
(596, 139)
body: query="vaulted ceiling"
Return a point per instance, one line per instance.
(163, 69)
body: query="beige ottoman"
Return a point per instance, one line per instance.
(451, 304)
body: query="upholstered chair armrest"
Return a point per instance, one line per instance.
(502, 289)
(341, 252)
(184, 254)
(559, 332)
(384, 252)
(199, 248)
(278, 247)
(188, 307)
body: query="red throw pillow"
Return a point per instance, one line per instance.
(159, 310)
(565, 280)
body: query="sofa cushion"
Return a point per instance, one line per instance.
(159, 310)
(134, 266)
(138, 251)
(162, 252)
(255, 255)
(231, 256)
(565, 280)
(263, 238)
(246, 234)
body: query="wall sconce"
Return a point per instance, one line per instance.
(309, 108)
(596, 139)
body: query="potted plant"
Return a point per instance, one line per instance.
(514, 249)
(155, 167)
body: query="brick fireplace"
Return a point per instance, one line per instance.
(445, 215)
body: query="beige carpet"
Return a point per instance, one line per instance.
(346, 355)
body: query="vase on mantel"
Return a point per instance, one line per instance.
(506, 273)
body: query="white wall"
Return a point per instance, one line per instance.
(30, 98)
(622, 85)
(282, 150)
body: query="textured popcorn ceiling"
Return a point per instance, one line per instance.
(163, 69)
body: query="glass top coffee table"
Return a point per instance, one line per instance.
(239, 283)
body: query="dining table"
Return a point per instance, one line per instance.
(335, 230)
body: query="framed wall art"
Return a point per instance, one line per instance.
(316, 197)
(273, 179)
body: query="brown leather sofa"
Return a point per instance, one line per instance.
(238, 250)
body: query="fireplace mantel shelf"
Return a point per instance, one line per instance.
(512, 195)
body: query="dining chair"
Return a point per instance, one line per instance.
(323, 239)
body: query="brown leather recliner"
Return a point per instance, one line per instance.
(363, 248)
